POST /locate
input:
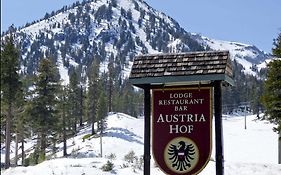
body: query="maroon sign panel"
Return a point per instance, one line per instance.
(181, 124)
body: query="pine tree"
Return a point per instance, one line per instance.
(20, 124)
(101, 114)
(93, 77)
(277, 46)
(74, 93)
(256, 93)
(44, 105)
(10, 86)
(110, 83)
(102, 110)
(64, 113)
(81, 105)
(271, 98)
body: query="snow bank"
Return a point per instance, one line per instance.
(247, 151)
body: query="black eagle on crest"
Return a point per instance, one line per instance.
(181, 155)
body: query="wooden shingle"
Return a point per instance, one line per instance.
(190, 66)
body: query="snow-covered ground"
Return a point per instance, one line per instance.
(246, 151)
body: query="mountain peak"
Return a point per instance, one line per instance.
(113, 29)
(104, 30)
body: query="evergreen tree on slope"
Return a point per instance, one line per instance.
(93, 92)
(10, 86)
(44, 105)
(74, 100)
(272, 95)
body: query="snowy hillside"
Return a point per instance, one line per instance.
(249, 56)
(250, 151)
(100, 29)
(115, 30)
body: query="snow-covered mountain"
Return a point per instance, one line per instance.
(249, 56)
(101, 29)
(250, 151)
(114, 30)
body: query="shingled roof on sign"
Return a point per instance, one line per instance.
(182, 67)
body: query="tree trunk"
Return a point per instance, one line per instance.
(16, 149)
(43, 145)
(22, 152)
(8, 137)
(64, 133)
(101, 132)
(64, 145)
(93, 127)
(110, 95)
(279, 148)
(81, 106)
(93, 118)
(75, 126)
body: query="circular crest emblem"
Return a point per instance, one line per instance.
(181, 155)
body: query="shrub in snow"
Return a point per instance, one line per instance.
(130, 157)
(74, 152)
(133, 161)
(138, 163)
(108, 166)
(111, 156)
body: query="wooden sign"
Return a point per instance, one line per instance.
(181, 129)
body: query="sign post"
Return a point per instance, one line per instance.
(218, 128)
(147, 111)
(182, 87)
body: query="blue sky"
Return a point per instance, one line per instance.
(255, 22)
